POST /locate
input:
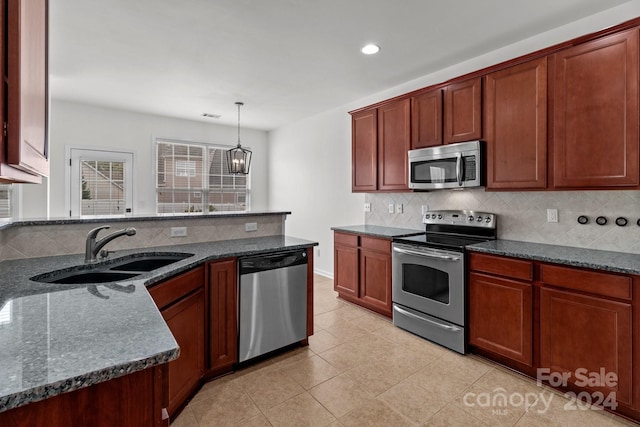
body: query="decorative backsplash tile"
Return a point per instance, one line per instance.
(523, 215)
(61, 239)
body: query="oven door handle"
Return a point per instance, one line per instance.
(422, 319)
(426, 254)
(459, 169)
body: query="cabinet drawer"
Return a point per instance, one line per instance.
(515, 268)
(375, 244)
(345, 239)
(605, 284)
(175, 288)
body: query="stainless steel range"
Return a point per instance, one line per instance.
(429, 275)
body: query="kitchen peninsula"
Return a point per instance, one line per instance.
(71, 348)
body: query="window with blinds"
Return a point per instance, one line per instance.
(5, 201)
(194, 178)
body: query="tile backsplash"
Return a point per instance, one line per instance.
(27, 241)
(523, 215)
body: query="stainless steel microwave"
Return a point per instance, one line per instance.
(447, 166)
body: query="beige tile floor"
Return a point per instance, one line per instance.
(360, 370)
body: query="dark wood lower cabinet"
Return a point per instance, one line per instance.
(586, 335)
(500, 318)
(182, 305)
(223, 317)
(575, 329)
(186, 322)
(362, 271)
(133, 400)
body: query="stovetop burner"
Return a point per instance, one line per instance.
(453, 230)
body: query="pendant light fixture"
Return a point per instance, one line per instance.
(238, 159)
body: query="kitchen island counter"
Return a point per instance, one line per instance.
(59, 338)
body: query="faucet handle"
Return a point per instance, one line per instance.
(93, 233)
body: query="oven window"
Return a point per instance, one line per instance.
(426, 282)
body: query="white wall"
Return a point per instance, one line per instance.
(83, 125)
(310, 175)
(310, 160)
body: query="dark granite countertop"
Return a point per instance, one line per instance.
(619, 262)
(130, 218)
(378, 231)
(58, 338)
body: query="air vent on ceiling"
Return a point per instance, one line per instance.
(211, 116)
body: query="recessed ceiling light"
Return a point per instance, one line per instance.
(370, 49)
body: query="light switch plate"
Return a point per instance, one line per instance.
(399, 208)
(250, 226)
(552, 215)
(392, 208)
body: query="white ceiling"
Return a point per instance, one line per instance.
(285, 59)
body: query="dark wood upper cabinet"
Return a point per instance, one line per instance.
(25, 152)
(426, 119)
(462, 111)
(394, 130)
(364, 134)
(595, 134)
(515, 114)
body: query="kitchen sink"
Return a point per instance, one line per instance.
(149, 262)
(118, 269)
(98, 276)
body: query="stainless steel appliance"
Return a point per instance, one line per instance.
(429, 275)
(447, 166)
(273, 302)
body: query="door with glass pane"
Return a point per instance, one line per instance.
(101, 183)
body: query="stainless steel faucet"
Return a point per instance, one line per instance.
(93, 246)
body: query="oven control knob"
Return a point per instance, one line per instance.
(427, 216)
(487, 219)
(471, 218)
(479, 219)
(439, 216)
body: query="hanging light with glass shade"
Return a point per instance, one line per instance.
(238, 158)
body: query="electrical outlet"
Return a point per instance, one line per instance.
(552, 215)
(178, 231)
(399, 208)
(392, 208)
(250, 226)
(367, 207)
(425, 209)
(317, 252)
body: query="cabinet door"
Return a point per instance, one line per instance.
(27, 76)
(515, 114)
(364, 129)
(345, 259)
(462, 111)
(596, 113)
(375, 281)
(587, 333)
(426, 119)
(394, 142)
(186, 322)
(223, 307)
(500, 316)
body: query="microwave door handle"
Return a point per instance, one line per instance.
(459, 169)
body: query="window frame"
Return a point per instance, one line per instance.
(100, 154)
(205, 190)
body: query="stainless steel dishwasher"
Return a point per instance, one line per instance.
(273, 302)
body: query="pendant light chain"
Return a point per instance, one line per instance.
(239, 104)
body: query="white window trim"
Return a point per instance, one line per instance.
(154, 168)
(109, 154)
